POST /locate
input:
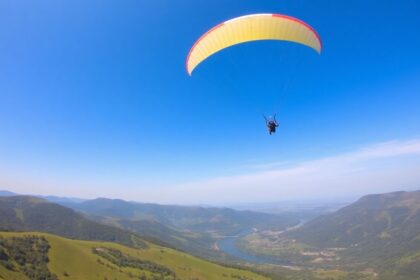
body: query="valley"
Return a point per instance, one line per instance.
(209, 140)
(376, 237)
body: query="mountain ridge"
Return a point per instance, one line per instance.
(379, 214)
(196, 218)
(27, 213)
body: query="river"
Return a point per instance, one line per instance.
(228, 246)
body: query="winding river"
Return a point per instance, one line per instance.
(229, 246)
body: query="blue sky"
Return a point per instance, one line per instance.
(95, 99)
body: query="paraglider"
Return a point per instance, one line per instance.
(248, 28)
(271, 124)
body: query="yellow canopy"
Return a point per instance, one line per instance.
(248, 28)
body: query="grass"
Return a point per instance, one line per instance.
(6, 274)
(74, 260)
(278, 248)
(19, 214)
(330, 274)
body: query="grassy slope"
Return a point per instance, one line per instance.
(76, 259)
(6, 274)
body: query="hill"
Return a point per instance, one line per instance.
(25, 213)
(50, 198)
(381, 230)
(7, 193)
(381, 219)
(377, 235)
(41, 256)
(198, 244)
(192, 229)
(222, 221)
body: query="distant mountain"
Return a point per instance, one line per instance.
(383, 218)
(381, 230)
(199, 244)
(51, 198)
(191, 229)
(307, 209)
(223, 221)
(25, 213)
(62, 200)
(7, 193)
(220, 221)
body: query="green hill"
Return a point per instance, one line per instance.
(196, 243)
(378, 236)
(25, 213)
(381, 231)
(53, 257)
(381, 219)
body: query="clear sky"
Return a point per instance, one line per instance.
(95, 101)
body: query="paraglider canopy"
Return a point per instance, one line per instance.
(249, 28)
